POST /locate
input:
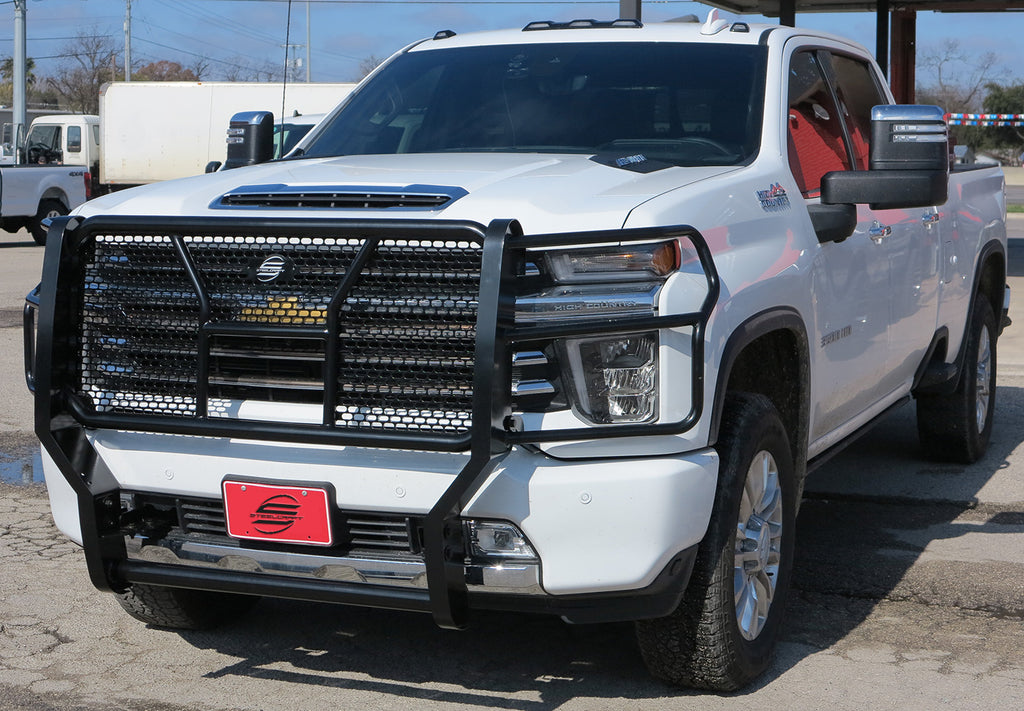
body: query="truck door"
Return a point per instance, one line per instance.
(850, 334)
(910, 238)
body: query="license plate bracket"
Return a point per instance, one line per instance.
(279, 512)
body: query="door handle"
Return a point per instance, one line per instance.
(878, 232)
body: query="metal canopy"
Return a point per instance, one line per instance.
(770, 8)
(900, 36)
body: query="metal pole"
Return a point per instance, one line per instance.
(20, 116)
(787, 13)
(882, 36)
(629, 9)
(128, 40)
(308, 69)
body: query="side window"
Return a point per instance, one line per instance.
(858, 92)
(816, 143)
(74, 139)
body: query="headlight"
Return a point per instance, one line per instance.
(615, 379)
(609, 379)
(603, 264)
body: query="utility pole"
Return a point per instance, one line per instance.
(308, 69)
(291, 64)
(20, 116)
(128, 40)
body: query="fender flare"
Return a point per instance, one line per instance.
(782, 318)
(992, 248)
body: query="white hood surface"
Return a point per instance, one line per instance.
(545, 193)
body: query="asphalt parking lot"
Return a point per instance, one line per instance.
(909, 594)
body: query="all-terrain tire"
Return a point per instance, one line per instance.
(178, 608)
(957, 427)
(711, 641)
(48, 208)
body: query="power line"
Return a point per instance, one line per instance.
(45, 39)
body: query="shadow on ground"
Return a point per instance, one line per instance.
(860, 531)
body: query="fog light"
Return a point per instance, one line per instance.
(616, 379)
(498, 540)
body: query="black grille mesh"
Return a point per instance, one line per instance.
(405, 334)
(357, 532)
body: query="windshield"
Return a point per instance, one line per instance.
(684, 104)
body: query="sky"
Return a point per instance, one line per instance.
(343, 33)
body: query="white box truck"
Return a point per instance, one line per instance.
(153, 131)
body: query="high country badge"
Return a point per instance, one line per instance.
(773, 199)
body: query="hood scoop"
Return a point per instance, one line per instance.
(341, 197)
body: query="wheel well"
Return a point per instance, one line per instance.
(55, 194)
(775, 365)
(992, 281)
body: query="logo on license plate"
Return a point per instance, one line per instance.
(277, 514)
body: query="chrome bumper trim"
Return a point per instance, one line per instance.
(515, 577)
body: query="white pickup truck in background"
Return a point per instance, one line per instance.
(30, 194)
(554, 320)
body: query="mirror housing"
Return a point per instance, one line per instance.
(833, 223)
(909, 162)
(250, 139)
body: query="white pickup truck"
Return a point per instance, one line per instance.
(553, 320)
(29, 194)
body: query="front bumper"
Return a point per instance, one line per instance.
(610, 535)
(614, 538)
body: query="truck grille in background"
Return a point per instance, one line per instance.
(404, 338)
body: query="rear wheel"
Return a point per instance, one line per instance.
(957, 427)
(179, 608)
(724, 631)
(48, 209)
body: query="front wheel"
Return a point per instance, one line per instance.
(957, 427)
(182, 609)
(48, 209)
(724, 631)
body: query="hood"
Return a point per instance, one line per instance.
(545, 193)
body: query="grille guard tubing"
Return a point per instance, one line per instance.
(61, 418)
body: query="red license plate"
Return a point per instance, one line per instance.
(284, 514)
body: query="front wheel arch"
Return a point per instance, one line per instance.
(776, 334)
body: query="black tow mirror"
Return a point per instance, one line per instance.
(909, 162)
(250, 139)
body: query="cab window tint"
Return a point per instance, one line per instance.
(816, 144)
(858, 92)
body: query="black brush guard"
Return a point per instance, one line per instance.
(61, 417)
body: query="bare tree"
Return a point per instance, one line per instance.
(164, 70)
(368, 65)
(91, 60)
(200, 66)
(957, 79)
(241, 69)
